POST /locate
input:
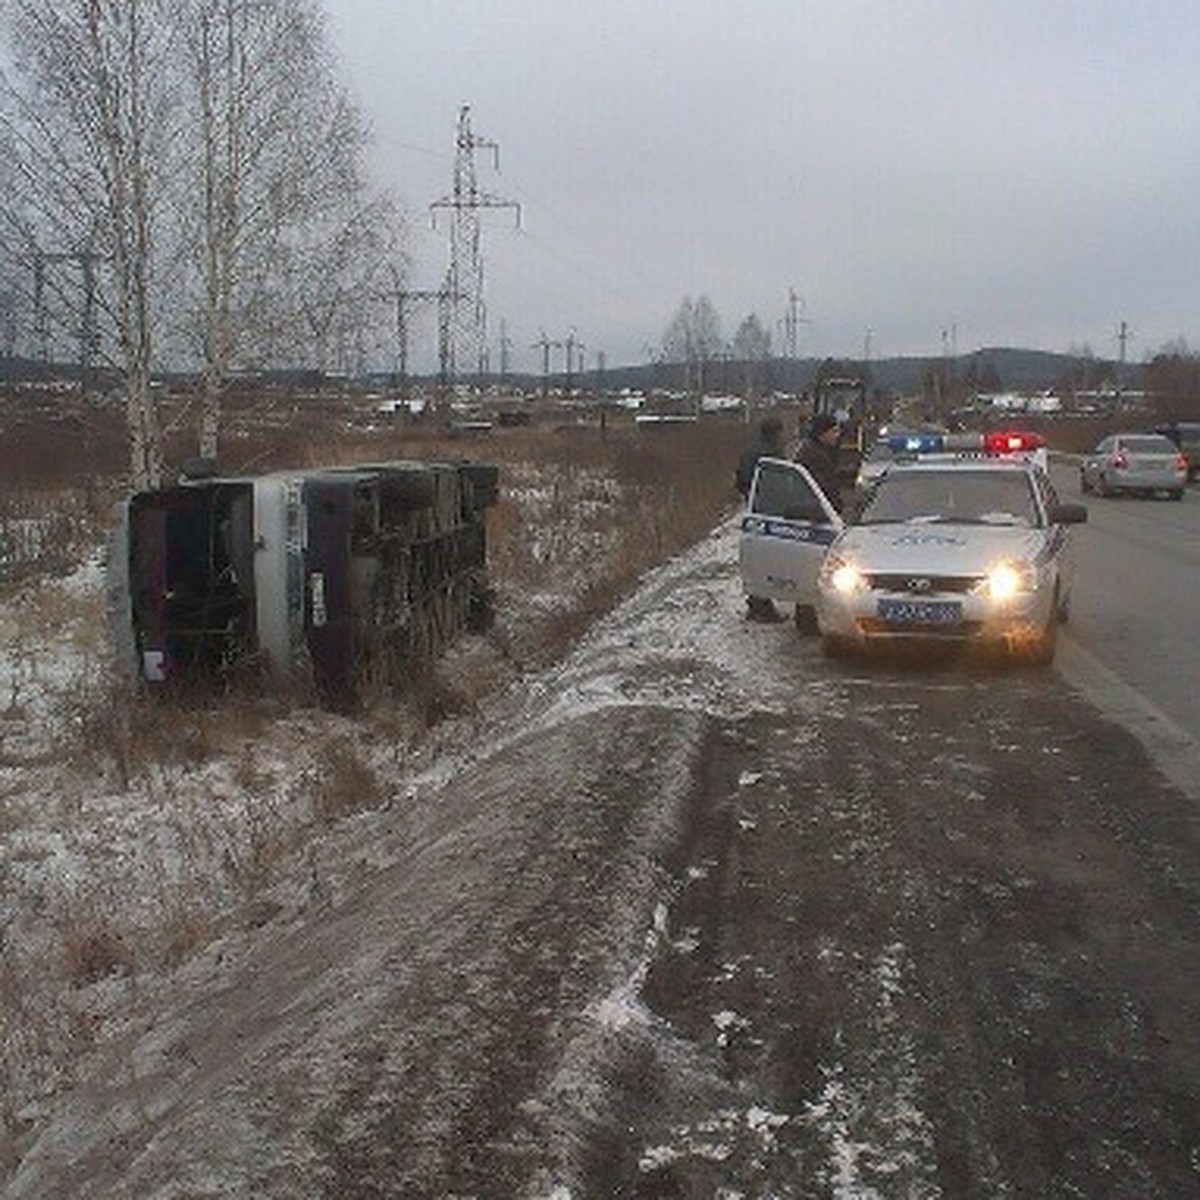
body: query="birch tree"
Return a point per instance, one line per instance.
(190, 170)
(752, 348)
(88, 121)
(278, 149)
(344, 275)
(693, 337)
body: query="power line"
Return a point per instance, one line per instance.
(404, 299)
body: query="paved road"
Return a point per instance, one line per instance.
(701, 914)
(1136, 611)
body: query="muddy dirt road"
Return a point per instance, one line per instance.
(702, 915)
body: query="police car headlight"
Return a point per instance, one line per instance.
(842, 576)
(1006, 580)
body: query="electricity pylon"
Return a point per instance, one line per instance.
(89, 337)
(546, 345)
(466, 333)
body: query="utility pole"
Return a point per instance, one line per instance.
(41, 329)
(793, 318)
(463, 325)
(570, 346)
(447, 300)
(1123, 335)
(545, 345)
(791, 321)
(404, 298)
(505, 352)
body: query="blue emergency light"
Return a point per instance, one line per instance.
(915, 443)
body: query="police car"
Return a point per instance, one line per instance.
(962, 546)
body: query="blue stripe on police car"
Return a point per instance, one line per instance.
(766, 527)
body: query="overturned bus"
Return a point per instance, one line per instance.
(349, 580)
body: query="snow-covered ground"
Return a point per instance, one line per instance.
(180, 872)
(136, 836)
(691, 909)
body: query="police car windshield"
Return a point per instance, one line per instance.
(961, 497)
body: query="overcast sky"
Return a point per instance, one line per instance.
(924, 174)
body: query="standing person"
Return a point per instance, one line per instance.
(768, 445)
(819, 456)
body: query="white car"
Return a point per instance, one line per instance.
(1148, 464)
(970, 549)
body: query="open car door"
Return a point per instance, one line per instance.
(788, 525)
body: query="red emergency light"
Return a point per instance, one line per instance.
(1010, 441)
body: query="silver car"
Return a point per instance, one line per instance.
(965, 552)
(1148, 464)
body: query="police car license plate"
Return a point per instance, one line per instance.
(920, 612)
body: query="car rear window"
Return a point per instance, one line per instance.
(1148, 444)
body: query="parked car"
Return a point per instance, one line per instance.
(1148, 464)
(965, 547)
(1186, 436)
(971, 552)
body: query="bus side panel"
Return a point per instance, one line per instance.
(329, 623)
(278, 614)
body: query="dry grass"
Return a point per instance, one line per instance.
(238, 785)
(342, 782)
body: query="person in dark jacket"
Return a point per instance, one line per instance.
(819, 456)
(768, 445)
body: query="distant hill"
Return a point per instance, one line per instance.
(996, 368)
(1000, 368)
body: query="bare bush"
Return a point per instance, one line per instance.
(343, 782)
